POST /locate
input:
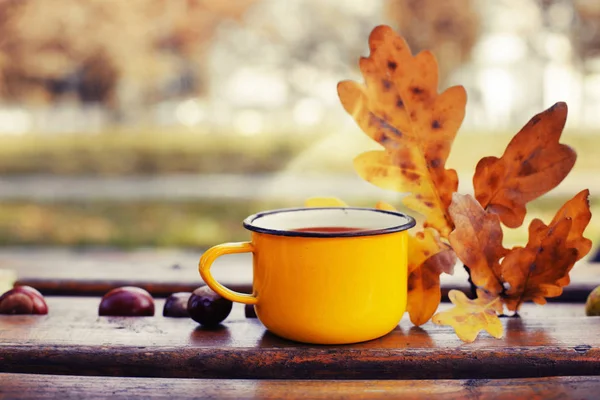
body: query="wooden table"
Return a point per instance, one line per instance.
(77, 387)
(551, 352)
(84, 273)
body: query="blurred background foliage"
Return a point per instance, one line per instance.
(165, 123)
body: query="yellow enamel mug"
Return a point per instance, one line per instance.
(323, 275)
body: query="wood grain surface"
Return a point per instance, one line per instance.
(85, 273)
(27, 386)
(554, 340)
(67, 272)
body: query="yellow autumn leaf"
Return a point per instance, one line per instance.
(324, 202)
(399, 107)
(382, 205)
(469, 317)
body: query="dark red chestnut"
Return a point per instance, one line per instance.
(23, 300)
(127, 301)
(176, 305)
(207, 307)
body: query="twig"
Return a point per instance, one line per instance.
(473, 287)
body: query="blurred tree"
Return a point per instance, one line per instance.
(587, 37)
(191, 28)
(448, 28)
(86, 49)
(300, 49)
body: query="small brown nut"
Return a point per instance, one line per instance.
(208, 308)
(592, 305)
(176, 305)
(127, 301)
(23, 300)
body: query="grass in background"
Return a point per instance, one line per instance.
(197, 224)
(154, 152)
(127, 153)
(203, 223)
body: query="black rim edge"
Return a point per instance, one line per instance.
(371, 232)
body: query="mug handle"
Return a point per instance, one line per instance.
(210, 256)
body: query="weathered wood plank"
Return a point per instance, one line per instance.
(64, 272)
(72, 339)
(88, 273)
(27, 386)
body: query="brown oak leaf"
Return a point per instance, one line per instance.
(477, 241)
(469, 317)
(578, 211)
(400, 108)
(541, 268)
(533, 163)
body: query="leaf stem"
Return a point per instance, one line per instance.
(472, 285)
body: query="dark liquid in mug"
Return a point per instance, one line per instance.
(330, 229)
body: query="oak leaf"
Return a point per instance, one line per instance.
(324, 202)
(540, 269)
(400, 108)
(578, 211)
(477, 241)
(533, 163)
(469, 317)
(382, 205)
